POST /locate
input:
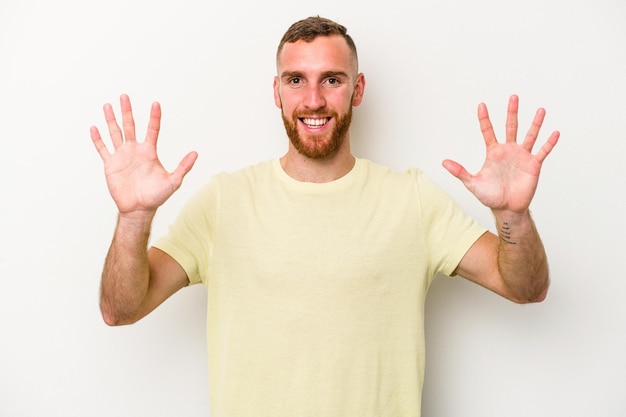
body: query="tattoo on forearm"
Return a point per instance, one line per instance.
(504, 232)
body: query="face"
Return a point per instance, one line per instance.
(316, 87)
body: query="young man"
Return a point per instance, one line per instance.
(317, 264)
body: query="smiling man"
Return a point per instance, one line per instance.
(317, 263)
(316, 87)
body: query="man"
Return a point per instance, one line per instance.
(317, 264)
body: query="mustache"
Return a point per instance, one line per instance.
(314, 113)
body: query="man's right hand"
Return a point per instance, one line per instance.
(136, 178)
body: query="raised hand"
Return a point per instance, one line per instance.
(509, 176)
(136, 178)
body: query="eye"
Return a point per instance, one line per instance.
(295, 80)
(333, 82)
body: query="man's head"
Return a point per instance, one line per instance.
(317, 85)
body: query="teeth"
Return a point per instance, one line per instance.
(314, 122)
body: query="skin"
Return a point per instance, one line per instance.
(513, 264)
(135, 280)
(316, 80)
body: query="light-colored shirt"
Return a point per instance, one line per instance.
(316, 292)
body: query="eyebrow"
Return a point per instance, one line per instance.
(325, 74)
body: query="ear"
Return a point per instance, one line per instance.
(359, 89)
(277, 100)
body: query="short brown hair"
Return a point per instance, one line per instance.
(310, 28)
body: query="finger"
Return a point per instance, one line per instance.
(547, 147)
(154, 124)
(511, 119)
(533, 131)
(183, 168)
(97, 141)
(127, 119)
(457, 170)
(485, 125)
(185, 165)
(114, 130)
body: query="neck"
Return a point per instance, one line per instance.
(305, 169)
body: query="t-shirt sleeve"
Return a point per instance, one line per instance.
(449, 231)
(189, 238)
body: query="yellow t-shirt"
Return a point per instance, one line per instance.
(316, 291)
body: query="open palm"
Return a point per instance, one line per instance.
(510, 174)
(136, 178)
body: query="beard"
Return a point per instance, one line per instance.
(321, 146)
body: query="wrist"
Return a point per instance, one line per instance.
(138, 221)
(511, 216)
(512, 225)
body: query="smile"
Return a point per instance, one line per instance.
(314, 123)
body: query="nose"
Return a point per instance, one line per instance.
(314, 97)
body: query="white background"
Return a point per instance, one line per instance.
(210, 64)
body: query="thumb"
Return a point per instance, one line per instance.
(457, 170)
(184, 166)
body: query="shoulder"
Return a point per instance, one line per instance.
(248, 174)
(376, 173)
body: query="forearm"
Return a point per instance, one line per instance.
(522, 260)
(126, 273)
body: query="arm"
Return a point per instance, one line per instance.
(512, 264)
(135, 280)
